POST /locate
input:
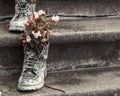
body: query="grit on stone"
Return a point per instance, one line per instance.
(78, 83)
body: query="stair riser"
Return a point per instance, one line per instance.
(69, 7)
(83, 55)
(63, 57)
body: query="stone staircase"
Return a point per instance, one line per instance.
(94, 44)
(85, 46)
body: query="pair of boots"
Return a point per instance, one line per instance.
(34, 66)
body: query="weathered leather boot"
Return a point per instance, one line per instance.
(23, 10)
(34, 69)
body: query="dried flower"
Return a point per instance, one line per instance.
(41, 12)
(55, 19)
(45, 33)
(28, 38)
(36, 15)
(24, 41)
(26, 24)
(31, 20)
(36, 34)
(42, 44)
(38, 26)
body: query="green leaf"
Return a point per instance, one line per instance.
(43, 18)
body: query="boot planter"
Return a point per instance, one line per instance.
(34, 69)
(36, 44)
(23, 10)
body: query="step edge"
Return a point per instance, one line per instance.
(12, 71)
(71, 37)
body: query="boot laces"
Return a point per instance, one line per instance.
(22, 10)
(31, 66)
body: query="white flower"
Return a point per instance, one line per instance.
(36, 15)
(39, 34)
(55, 19)
(41, 12)
(36, 34)
(33, 32)
(45, 33)
(28, 38)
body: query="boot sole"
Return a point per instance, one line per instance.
(16, 29)
(31, 87)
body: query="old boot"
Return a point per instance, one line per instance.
(23, 10)
(34, 69)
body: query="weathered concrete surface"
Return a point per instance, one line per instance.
(7, 7)
(83, 55)
(77, 83)
(65, 57)
(73, 30)
(75, 44)
(11, 57)
(80, 7)
(89, 43)
(69, 7)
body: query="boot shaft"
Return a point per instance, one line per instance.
(26, 5)
(24, 9)
(26, 1)
(31, 52)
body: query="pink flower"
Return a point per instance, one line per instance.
(28, 38)
(31, 20)
(45, 33)
(41, 12)
(55, 19)
(36, 15)
(36, 34)
(26, 24)
(42, 44)
(24, 41)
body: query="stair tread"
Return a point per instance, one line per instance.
(74, 83)
(73, 30)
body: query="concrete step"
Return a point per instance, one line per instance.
(72, 30)
(69, 7)
(73, 83)
(75, 44)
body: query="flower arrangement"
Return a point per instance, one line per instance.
(37, 30)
